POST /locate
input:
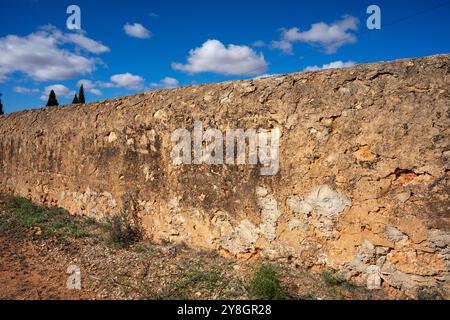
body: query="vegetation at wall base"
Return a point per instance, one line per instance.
(266, 284)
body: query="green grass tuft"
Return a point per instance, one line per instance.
(266, 284)
(21, 214)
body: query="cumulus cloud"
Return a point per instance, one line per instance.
(128, 80)
(167, 82)
(87, 84)
(86, 43)
(78, 38)
(123, 80)
(213, 56)
(329, 37)
(38, 56)
(283, 45)
(41, 57)
(60, 91)
(331, 65)
(137, 30)
(24, 90)
(96, 92)
(103, 84)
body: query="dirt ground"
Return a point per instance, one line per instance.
(34, 259)
(26, 273)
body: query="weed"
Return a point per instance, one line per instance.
(128, 285)
(332, 280)
(429, 294)
(175, 291)
(207, 279)
(194, 280)
(123, 231)
(144, 248)
(266, 284)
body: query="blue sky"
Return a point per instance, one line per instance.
(166, 42)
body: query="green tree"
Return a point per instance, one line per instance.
(1, 106)
(81, 98)
(75, 99)
(52, 101)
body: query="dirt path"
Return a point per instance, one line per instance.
(28, 273)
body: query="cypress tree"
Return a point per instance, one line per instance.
(1, 106)
(52, 101)
(81, 95)
(75, 99)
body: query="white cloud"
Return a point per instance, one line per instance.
(102, 84)
(259, 44)
(128, 80)
(40, 56)
(283, 45)
(137, 30)
(78, 38)
(86, 43)
(266, 75)
(213, 56)
(331, 65)
(96, 92)
(329, 37)
(24, 90)
(167, 82)
(87, 84)
(124, 80)
(60, 91)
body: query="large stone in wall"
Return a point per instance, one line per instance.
(361, 187)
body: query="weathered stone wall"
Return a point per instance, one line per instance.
(363, 185)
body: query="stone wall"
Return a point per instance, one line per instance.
(362, 188)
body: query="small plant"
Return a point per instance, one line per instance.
(44, 222)
(204, 278)
(266, 285)
(175, 291)
(123, 231)
(429, 294)
(196, 279)
(332, 280)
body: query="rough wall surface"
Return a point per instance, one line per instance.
(363, 184)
